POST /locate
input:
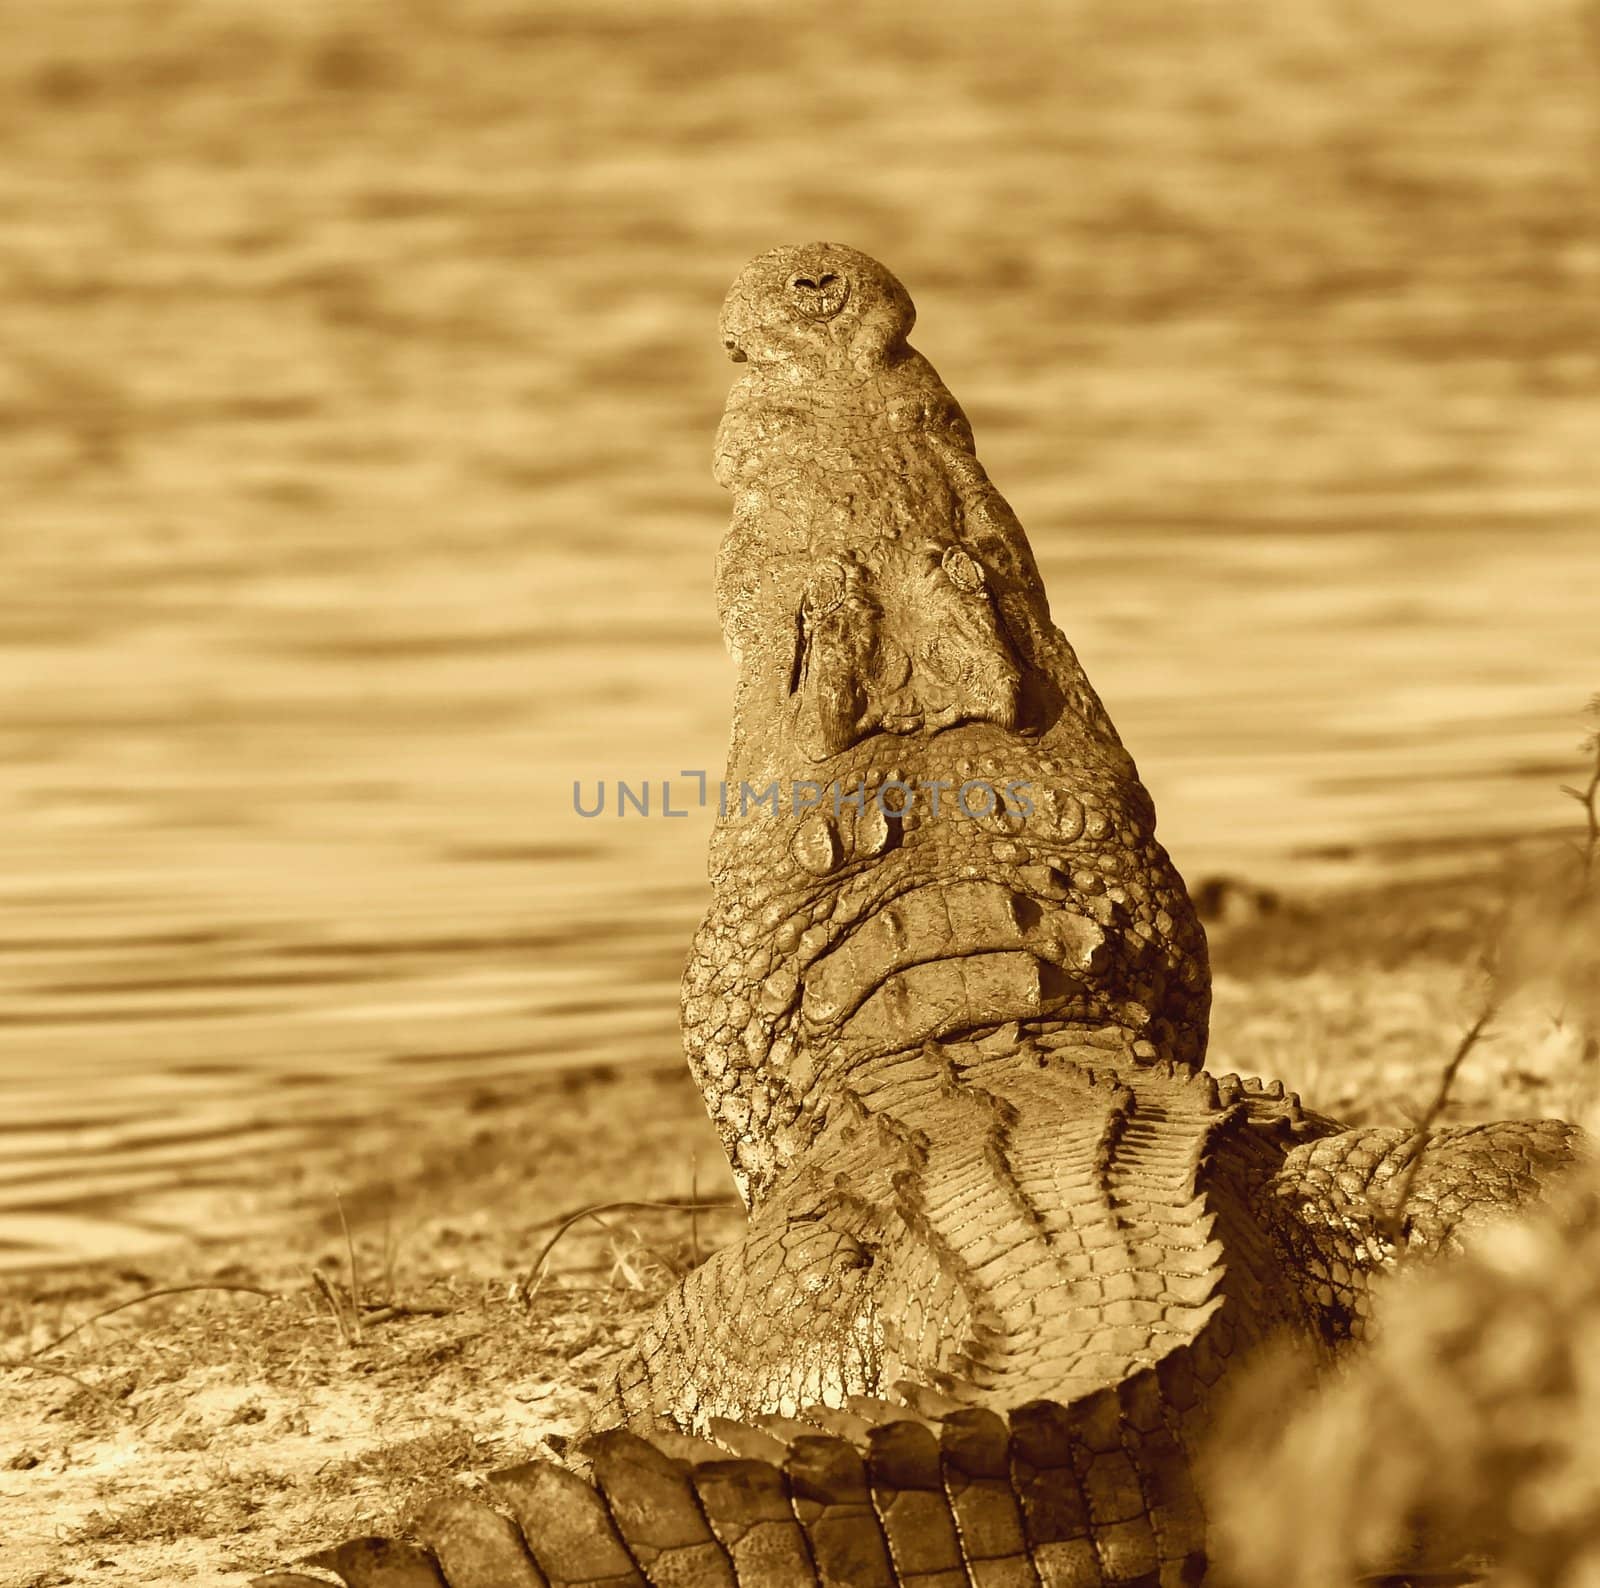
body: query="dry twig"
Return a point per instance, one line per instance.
(93, 1391)
(150, 1295)
(528, 1284)
(349, 1334)
(1588, 797)
(355, 1277)
(1394, 1223)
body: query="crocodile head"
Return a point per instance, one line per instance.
(822, 307)
(931, 832)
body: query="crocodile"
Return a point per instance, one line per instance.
(1009, 1242)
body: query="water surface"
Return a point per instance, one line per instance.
(355, 422)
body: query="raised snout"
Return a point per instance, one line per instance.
(818, 293)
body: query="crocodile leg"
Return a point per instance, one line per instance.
(1357, 1201)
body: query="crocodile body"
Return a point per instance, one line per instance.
(1009, 1243)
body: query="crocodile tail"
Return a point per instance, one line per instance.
(1087, 1495)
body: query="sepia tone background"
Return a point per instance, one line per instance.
(357, 386)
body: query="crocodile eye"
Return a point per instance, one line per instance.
(961, 570)
(824, 589)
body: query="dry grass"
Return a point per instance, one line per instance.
(227, 1504)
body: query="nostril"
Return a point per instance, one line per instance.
(819, 296)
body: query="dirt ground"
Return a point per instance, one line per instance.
(209, 1434)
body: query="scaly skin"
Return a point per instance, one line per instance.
(1008, 1242)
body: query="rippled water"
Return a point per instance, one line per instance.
(356, 424)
